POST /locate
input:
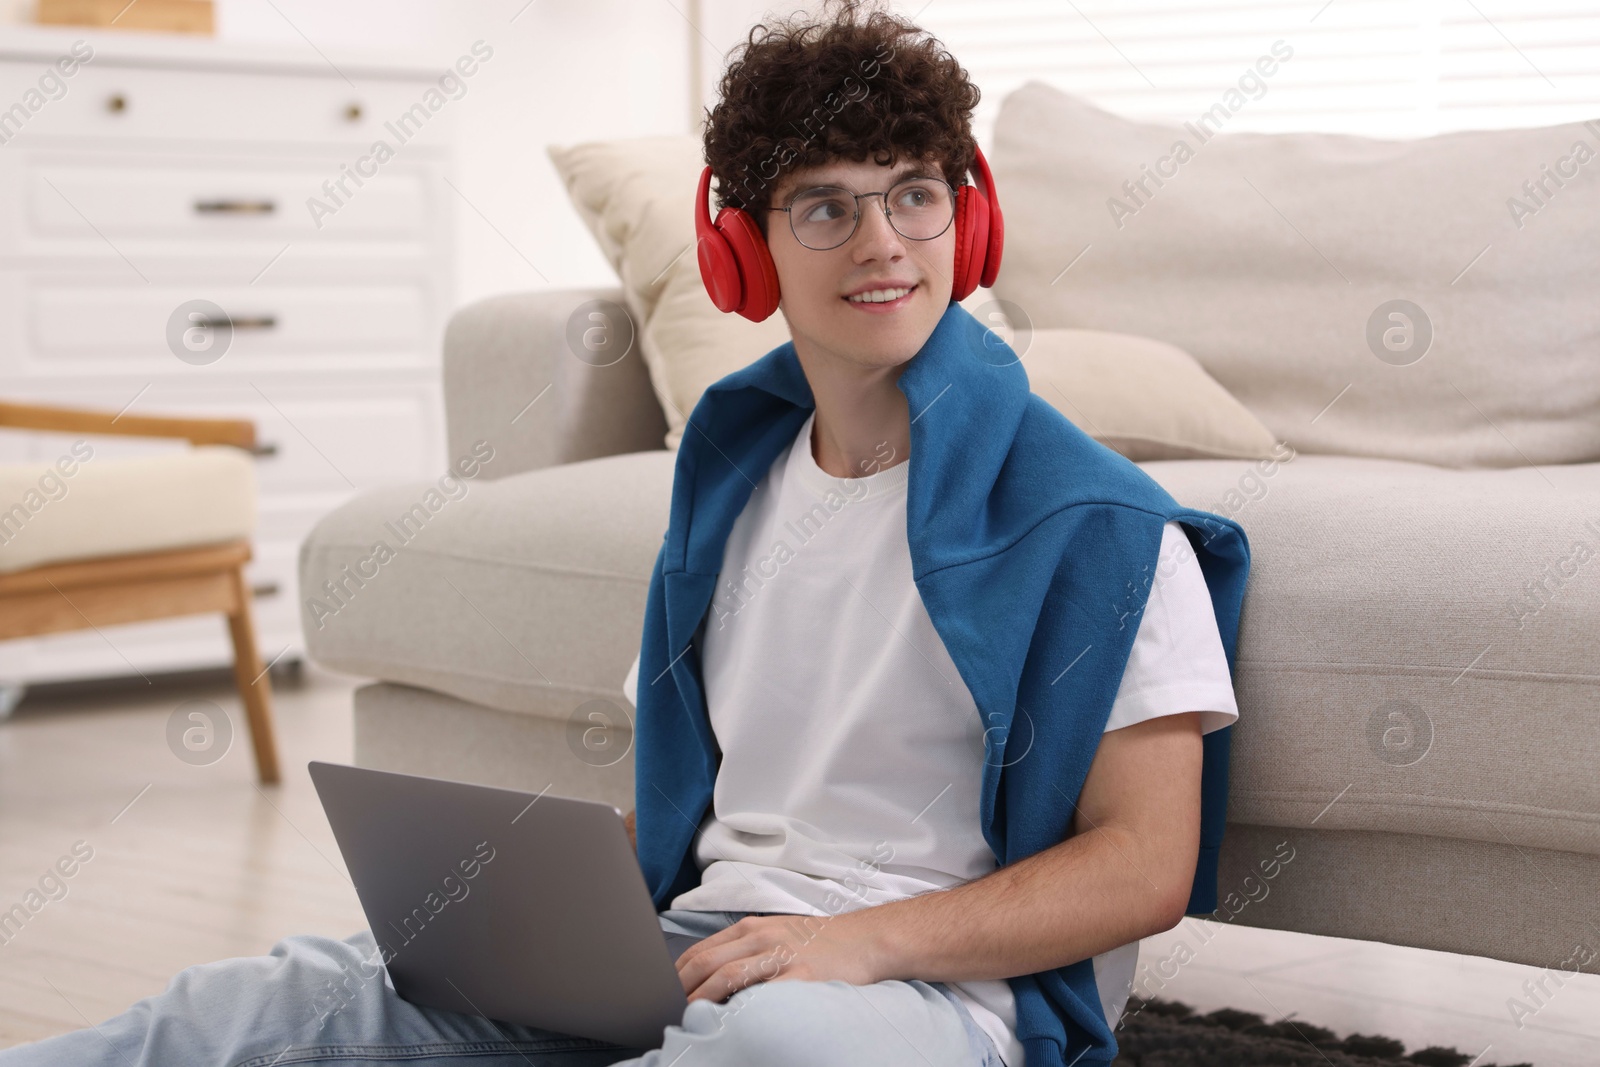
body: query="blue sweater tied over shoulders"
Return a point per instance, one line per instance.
(1033, 547)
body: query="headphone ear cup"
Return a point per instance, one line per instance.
(719, 271)
(996, 242)
(758, 275)
(972, 241)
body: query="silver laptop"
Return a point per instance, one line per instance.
(514, 906)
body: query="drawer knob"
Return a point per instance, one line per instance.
(116, 103)
(235, 207)
(352, 112)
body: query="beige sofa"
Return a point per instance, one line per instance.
(1420, 728)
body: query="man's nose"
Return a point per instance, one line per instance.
(874, 232)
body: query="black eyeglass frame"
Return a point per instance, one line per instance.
(855, 222)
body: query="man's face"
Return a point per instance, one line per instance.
(814, 285)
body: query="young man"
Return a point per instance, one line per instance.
(929, 680)
(890, 639)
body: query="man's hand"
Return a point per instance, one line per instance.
(776, 948)
(633, 836)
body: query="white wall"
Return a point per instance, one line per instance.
(724, 24)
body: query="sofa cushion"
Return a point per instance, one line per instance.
(1400, 668)
(80, 508)
(1142, 397)
(1273, 259)
(525, 593)
(1358, 709)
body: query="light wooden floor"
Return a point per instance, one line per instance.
(193, 864)
(190, 864)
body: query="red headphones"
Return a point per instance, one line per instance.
(736, 265)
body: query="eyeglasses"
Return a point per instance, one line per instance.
(826, 216)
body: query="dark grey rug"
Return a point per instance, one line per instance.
(1164, 1033)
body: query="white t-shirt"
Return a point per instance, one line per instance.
(852, 751)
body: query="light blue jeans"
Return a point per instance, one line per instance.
(272, 1011)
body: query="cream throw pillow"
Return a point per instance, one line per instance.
(1142, 397)
(1286, 262)
(637, 198)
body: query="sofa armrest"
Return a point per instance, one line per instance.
(502, 352)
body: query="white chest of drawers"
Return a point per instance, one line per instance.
(164, 171)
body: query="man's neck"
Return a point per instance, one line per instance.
(862, 423)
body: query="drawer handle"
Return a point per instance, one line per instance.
(265, 448)
(235, 207)
(352, 112)
(116, 103)
(238, 322)
(264, 589)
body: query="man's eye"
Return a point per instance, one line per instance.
(823, 211)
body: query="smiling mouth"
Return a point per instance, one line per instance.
(882, 299)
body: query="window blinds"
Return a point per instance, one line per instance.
(1385, 68)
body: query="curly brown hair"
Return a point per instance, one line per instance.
(810, 90)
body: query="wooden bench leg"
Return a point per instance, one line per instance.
(253, 682)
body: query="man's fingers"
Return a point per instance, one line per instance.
(741, 954)
(686, 959)
(721, 937)
(725, 981)
(702, 960)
